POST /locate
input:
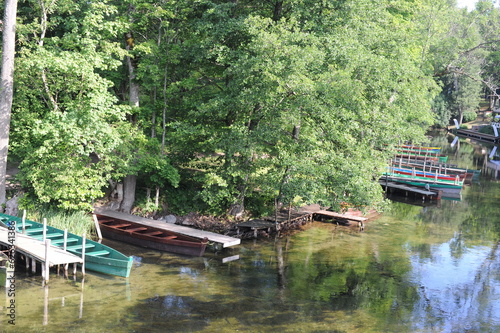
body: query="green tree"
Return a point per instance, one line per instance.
(66, 120)
(6, 89)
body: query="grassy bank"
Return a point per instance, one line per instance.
(76, 222)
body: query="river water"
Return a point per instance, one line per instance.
(418, 268)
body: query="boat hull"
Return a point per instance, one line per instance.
(98, 257)
(163, 240)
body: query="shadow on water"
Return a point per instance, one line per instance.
(417, 268)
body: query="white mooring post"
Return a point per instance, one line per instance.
(47, 261)
(44, 229)
(83, 253)
(97, 228)
(65, 241)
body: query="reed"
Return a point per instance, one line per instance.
(76, 222)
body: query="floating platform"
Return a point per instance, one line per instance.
(225, 241)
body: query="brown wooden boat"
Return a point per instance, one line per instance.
(151, 237)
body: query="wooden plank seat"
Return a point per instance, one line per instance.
(170, 237)
(48, 236)
(97, 253)
(61, 241)
(19, 225)
(136, 229)
(153, 233)
(79, 247)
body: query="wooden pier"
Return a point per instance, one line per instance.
(287, 221)
(321, 215)
(223, 240)
(494, 166)
(35, 251)
(281, 221)
(478, 136)
(406, 189)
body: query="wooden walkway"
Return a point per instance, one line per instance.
(283, 220)
(388, 185)
(225, 241)
(37, 251)
(327, 213)
(477, 135)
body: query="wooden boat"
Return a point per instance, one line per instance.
(430, 175)
(412, 147)
(151, 237)
(467, 175)
(437, 182)
(98, 257)
(447, 188)
(415, 155)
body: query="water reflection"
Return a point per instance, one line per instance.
(457, 293)
(418, 268)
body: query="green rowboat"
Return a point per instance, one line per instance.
(98, 257)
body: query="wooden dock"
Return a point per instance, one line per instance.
(284, 220)
(478, 136)
(37, 251)
(225, 241)
(326, 213)
(321, 215)
(394, 186)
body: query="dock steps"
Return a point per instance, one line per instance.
(122, 225)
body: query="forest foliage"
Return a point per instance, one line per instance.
(242, 104)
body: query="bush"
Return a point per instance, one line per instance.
(469, 116)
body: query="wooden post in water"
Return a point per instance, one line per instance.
(97, 228)
(81, 300)
(46, 265)
(46, 306)
(83, 253)
(44, 229)
(65, 241)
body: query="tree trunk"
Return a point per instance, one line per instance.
(129, 183)
(6, 89)
(128, 193)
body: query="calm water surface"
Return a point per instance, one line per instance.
(432, 268)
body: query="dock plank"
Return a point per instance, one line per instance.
(343, 216)
(226, 241)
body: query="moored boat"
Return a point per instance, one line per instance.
(457, 183)
(468, 175)
(415, 155)
(430, 175)
(447, 188)
(98, 257)
(150, 237)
